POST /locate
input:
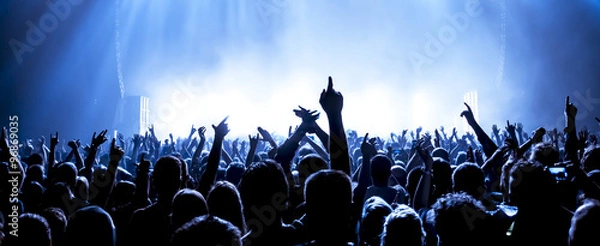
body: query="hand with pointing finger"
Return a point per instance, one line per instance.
(332, 101)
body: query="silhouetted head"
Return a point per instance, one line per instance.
(166, 176)
(224, 202)
(442, 176)
(399, 176)
(58, 195)
(403, 227)
(310, 164)
(187, 204)
(35, 159)
(33, 230)
(91, 226)
(82, 188)
(234, 172)
(35, 172)
(441, 153)
(58, 224)
(591, 159)
(451, 224)
(544, 153)
(207, 230)
(264, 186)
(123, 192)
(468, 177)
(413, 178)
(31, 196)
(585, 224)
(375, 210)
(530, 186)
(592, 191)
(381, 167)
(328, 196)
(66, 172)
(461, 157)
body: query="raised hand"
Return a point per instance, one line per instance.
(221, 129)
(519, 128)
(121, 138)
(137, 140)
(538, 135)
(495, 130)
(116, 152)
(151, 129)
(470, 155)
(253, 141)
(468, 114)
(74, 144)
(367, 147)
(306, 115)
(201, 132)
(331, 101)
(99, 140)
(192, 130)
(267, 136)
(437, 139)
(53, 140)
(510, 128)
(583, 138)
(144, 165)
(570, 109)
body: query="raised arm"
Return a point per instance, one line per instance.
(489, 147)
(210, 174)
(267, 137)
(570, 133)
(368, 150)
(253, 143)
(104, 185)
(142, 184)
(424, 187)
(332, 102)
(90, 159)
(74, 144)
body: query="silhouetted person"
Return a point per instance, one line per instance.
(58, 225)
(585, 224)
(33, 231)
(224, 202)
(150, 225)
(403, 227)
(207, 230)
(91, 226)
(375, 210)
(187, 204)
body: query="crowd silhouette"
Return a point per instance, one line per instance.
(314, 187)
